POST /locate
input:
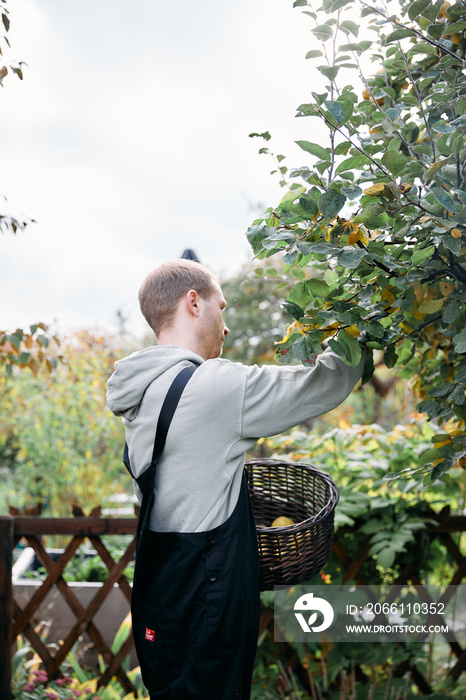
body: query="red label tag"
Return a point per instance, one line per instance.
(150, 635)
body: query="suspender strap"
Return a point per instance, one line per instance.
(147, 478)
(168, 409)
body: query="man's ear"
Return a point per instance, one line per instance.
(192, 302)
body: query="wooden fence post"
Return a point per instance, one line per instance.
(6, 603)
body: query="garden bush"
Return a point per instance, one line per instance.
(59, 443)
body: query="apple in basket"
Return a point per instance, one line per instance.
(290, 548)
(282, 521)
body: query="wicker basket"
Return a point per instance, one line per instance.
(294, 553)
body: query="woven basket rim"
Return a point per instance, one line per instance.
(314, 520)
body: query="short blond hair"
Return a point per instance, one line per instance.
(163, 288)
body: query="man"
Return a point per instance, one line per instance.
(196, 590)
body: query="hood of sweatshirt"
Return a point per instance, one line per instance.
(134, 373)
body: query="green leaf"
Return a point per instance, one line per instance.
(305, 350)
(431, 12)
(351, 192)
(375, 329)
(377, 222)
(416, 168)
(417, 7)
(459, 341)
(436, 30)
(423, 84)
(369, 369)
(444, 199)
(336, 110)
(318, 288)
(455, 27)
(330, 72)
(353, 163)
(322, 32)
(16, 338)
(441, 390)
(265, 135)
(364, 45)
(342, 148)
(394, 161)
(358, 48)
(451, 312)
(393, 113)
(452, 244)
(370, 210)
(315, 150)
(460, 105)
(386, 558)
(338, 347)
(410, 100)
(460, 375)
(314, 53)
(257, 234)
(420, 256)
(423, 47)
(441, 127)
(323, 248)
(435, 167)
(290, 257)
(331, 202)
(350, 26)
(300, 295)
(17, 71)
(370, 526)
(390, 356)
(337, 4)
(308, 204)
(348, 107)
(458, 396)
(293, 310)
(399, 34)
(351, 257)
(354, 351)
(432, 408)
(43, 340)
(444, 145)
(430, 455)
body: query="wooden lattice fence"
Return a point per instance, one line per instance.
(15, 620)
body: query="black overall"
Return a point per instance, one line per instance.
(195, 601)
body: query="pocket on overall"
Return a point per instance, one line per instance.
(216, 670)
(158, 642)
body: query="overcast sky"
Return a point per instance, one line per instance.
(127, 141)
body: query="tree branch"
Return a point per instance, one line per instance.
(407, 144)
(418, 95)
(425, 38)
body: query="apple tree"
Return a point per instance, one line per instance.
(373, 222)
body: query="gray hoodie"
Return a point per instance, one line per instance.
(225, 408)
